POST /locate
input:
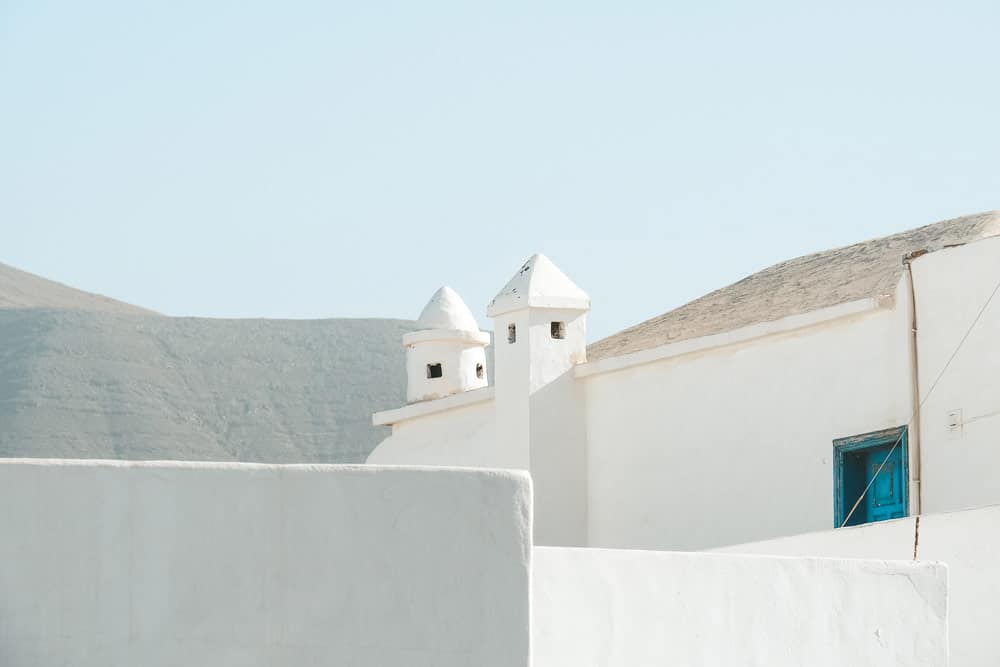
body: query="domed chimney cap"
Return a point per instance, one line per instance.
(447, 310)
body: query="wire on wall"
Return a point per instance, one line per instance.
(934, 384)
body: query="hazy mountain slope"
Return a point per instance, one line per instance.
(20, 289)
(115, 385)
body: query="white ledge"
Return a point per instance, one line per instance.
(741, 335)
(427, 335)
(424, 408)
(508, 304)
(166, 464)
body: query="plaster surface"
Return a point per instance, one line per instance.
(430, 408)
(967, 542)
(462, 365)
(553, 417)
(124, 564)
(464, 435)
(608, 608)
(539, 283)
(447, 310)
(735, 443)
(450, 341)
(960, 417)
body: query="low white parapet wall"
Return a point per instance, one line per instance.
(166, 564)
(967, 541)
(615, 608)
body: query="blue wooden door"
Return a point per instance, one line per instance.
(878, 496)
(885, 498)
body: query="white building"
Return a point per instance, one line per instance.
(757, 408)
(849, 386)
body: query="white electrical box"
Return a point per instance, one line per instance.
(954, 420)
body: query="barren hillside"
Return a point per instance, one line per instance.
(89, 377)
(20, 289)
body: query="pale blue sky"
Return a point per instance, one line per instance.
(318, 159)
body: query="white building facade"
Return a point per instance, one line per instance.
(757, 411)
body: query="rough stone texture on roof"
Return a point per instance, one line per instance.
(870, 269)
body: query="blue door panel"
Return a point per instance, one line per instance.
(871, 468)
(885, 497)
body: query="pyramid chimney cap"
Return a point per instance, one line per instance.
(538, 284)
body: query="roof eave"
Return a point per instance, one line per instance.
(734, 336)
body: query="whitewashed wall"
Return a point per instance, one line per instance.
(961, 467)
(458, 356)
(539, 413)
(125, 564)
(735, 443)
(463, 436)
(609, 608)
(559, 463)
(967, 542)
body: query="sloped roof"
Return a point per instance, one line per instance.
(869, 269)
(539, 283)
(447, 310)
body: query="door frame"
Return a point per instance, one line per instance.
(844, 446)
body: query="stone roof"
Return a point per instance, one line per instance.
(870, 269)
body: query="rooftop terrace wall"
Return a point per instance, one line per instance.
(123, 564)
(619, 608)
(967, 542)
